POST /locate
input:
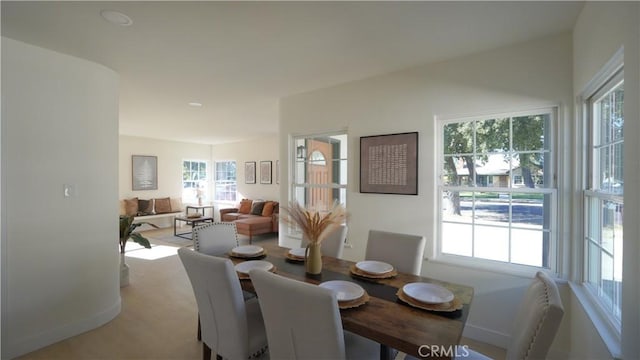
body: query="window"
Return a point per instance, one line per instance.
(603, 197)
(194, 180)
(226, 181)
(484, 215)
(320, 170)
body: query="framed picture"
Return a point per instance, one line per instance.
(144, 172)
(277, 171)
(389, 164)
(250, 172)
(265, 172)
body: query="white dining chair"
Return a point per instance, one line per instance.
(535, 325)
(217, 238)
(333, 244)
(303, 321)
(231, 327)
(404, 252)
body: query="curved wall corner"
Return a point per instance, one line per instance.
(59, 253)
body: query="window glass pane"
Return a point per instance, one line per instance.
(458, 138)
(593, 268)
(527, 247)
(491, 243)
(528, 132)
(491, 208)
(457, 239)
(492, 170)
(457, 207)
(527, 210)
(531, 167)
(492, 135)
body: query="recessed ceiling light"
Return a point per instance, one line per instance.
(116, 17)
(195, 104)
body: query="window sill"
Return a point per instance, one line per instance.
(609, 334)
(488, 265)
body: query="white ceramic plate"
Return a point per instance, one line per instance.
(247, 250)
(297, 252)
(244, 267)
(345, 290)
(428, 293)
(374, 267)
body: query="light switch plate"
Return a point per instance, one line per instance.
(69, 190)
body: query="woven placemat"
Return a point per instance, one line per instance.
(259, 255)
(294, 258)
(243, 276)
(355, 302)
(355, 271)
(453, 305)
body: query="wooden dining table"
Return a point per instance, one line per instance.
(384, 319)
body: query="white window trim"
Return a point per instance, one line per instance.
(495, 266)
(606, 328)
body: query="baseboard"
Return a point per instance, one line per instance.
(488, 336)
(33, 342)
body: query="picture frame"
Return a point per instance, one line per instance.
(250, 172)
(144, 172)
(265, 172)
(389, 164)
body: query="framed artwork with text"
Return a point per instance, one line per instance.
(389, 164)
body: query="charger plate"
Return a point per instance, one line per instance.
(455, 304)
(355, 271)
(427, 293)
(243, 268)
(296, 254)
(247, 252)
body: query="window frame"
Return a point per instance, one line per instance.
(609, 80)
(216, 182)
(552, 190)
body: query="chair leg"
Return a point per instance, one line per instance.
(199, 329)
(206, 352)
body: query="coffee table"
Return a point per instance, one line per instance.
(189, 221)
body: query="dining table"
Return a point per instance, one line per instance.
(384, 318)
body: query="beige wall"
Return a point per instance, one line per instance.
(59, 254)
(533, 74)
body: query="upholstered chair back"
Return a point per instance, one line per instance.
(216, 238)
(302, 320)
(404, 252)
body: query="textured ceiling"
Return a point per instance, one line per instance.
(239, 58)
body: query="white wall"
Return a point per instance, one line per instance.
(533, 74)
(263, 149)
(60, 257)
(602, 28)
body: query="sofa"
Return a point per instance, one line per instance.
(253, 217)
(157, 211)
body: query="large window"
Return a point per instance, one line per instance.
(194, 180)
(497, 189)
(226, 185)
(320, 170)
(604, 206)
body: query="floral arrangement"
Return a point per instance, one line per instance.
(315, 225)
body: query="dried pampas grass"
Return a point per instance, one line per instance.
(314, 225)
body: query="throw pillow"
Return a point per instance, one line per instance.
(145, 207)
(163, 205)
(245, 206)
(131, 206)
(267, 210)
(256, 208)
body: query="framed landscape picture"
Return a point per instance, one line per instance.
(144, 172)
(265, 172)
(250, 172)
(389, 164)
